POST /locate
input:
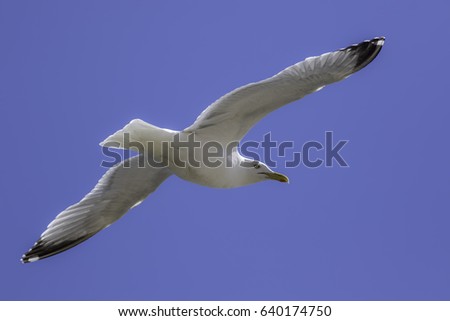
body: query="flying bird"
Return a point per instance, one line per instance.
(222, 124)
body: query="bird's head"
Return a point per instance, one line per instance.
(258, 171)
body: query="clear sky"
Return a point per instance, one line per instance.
(72, 73)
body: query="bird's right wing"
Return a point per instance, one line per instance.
(231, 116)
(122, 187)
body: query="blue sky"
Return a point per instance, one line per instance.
(72, 73)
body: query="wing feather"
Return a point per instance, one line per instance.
(122, 187)
(231, 117)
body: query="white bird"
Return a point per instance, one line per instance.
(222, 124)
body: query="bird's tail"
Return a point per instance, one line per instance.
(138, 135)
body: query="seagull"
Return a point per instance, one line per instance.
(221, 125)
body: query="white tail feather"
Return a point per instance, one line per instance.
(138, 133)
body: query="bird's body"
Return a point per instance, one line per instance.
(204, 153)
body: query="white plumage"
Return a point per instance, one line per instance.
(225, 122)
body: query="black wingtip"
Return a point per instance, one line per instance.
(29, 259)
(42, 250)
(30, 255)
(366, 51)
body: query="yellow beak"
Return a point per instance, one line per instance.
(277, 176)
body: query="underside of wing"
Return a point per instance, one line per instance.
(125, 185)
(230, 117)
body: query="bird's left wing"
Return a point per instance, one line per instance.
(122, 187)
(230, 117)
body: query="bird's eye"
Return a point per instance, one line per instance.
(256, 165)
